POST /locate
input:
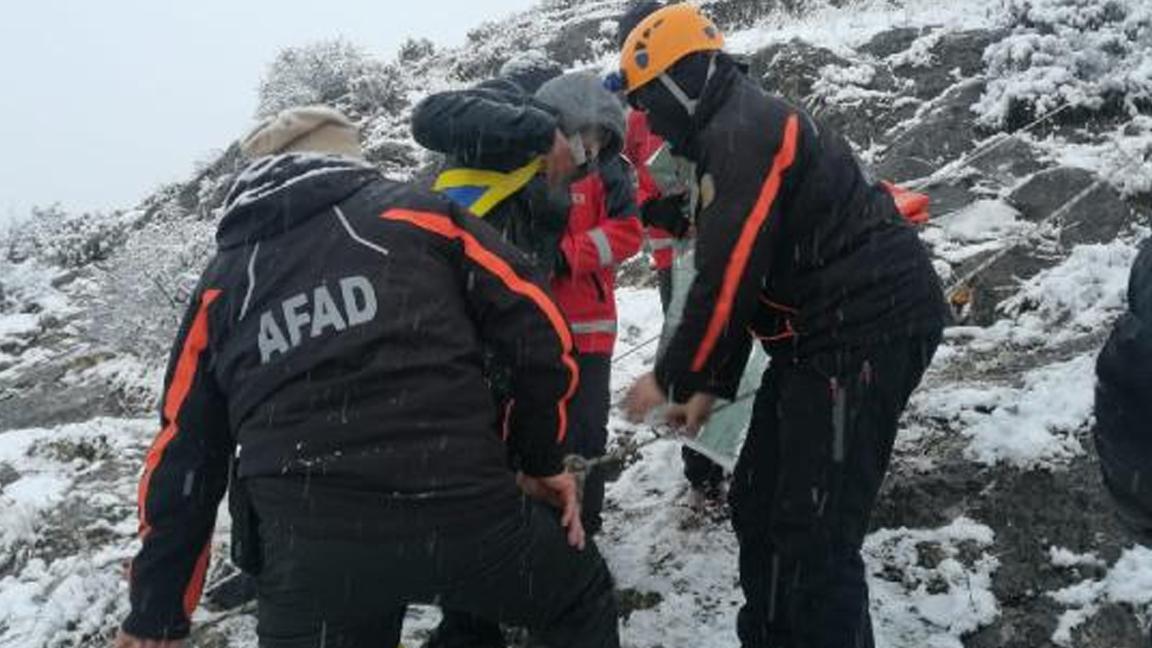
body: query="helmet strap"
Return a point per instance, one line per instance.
(682, 97)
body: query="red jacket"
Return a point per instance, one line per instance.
(603, 232)
(640, 144)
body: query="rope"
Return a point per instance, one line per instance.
(580, 466)
(1060, 213)
(637, 348)
(963, 161)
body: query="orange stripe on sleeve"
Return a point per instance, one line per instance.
(196, 584)
(443, 225)
(182, 379)
(738, 262)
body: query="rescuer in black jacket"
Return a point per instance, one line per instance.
(797, 247)
(1124, 404)
(332, 357)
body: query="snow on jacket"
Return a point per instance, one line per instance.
(795, 245)
(1124, 404)
(640, 144)
(603, 227)
(334, 343)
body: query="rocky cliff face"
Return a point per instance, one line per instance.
(1029, 124)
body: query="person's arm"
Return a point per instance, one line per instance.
(474, 123)
(517, 317)
(734, 247)
(618, 237)
(185, 477)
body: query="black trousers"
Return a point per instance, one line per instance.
(318, 591)
(702, 473)
(807, 479)
(587, 437)
(664, 283)
(588, 430)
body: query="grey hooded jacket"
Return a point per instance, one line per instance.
(583, 103)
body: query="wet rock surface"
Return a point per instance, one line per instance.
(1048, 191)
(944, 133)
(791, 69)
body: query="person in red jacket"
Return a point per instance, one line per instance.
(639, 147)
(663, 216)
(603, 231)
(666, 219)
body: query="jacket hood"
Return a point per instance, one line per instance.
(274, 194)
(582, 102)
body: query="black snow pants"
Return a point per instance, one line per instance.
(588, 430)
(818, 448)
(702, 473)
(352, 592)
(587, 437)
(664, 284)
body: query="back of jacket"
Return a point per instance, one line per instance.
(351, 348)
(333, 352)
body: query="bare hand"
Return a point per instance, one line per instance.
(692, 416)
(559, 166)
(644, 396)
(561, 492)
(125, 640)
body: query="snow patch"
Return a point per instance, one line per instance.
(1083, 53)
(1062, 557)
(1129, 581)
(1032, 425)
(1080, 296)
(930, 587)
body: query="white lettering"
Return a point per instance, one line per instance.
(359, 306)
(294, 319)
(359, 310)
(270, 340)
(325, 313)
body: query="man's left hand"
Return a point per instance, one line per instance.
(561, 492)
(692, 416)
(644, 396)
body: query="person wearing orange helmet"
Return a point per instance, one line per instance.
(798, 247)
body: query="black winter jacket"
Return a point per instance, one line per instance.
(796, 245)
(334, 349)
(1124, 404)
(496, 126)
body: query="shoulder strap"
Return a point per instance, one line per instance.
(480, 190)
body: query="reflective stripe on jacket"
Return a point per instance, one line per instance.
(603, 232)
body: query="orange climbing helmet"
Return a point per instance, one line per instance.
(662, 39)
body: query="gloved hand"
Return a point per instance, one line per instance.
(667, 213)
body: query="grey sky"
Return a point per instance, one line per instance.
(102, 100)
